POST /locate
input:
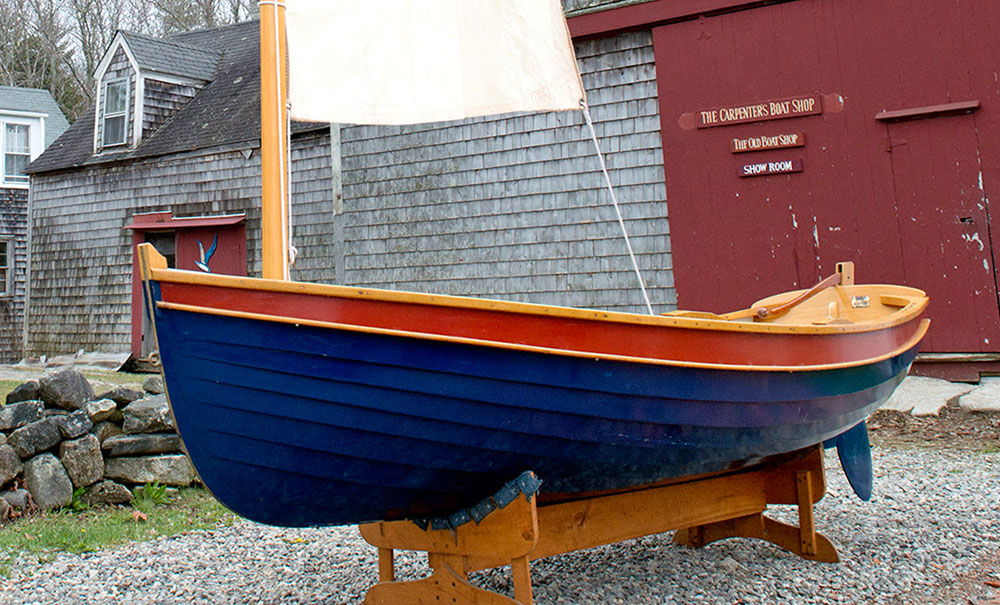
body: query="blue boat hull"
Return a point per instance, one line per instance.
(297, 425)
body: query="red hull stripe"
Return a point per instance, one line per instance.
(598, 336)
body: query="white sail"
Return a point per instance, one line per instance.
(414, 61)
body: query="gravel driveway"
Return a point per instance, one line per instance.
(931, 534)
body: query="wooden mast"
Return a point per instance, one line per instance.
(273, 138)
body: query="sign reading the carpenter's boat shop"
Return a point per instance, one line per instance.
(758, 112)
(765, 168)
(777, 141)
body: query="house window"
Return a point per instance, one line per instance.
(6, 268)
(16, 153)
(115, 108)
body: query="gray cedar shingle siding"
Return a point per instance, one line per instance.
(511, 207)
(516, 206)
(81, 269)
(313, 220)
(81, 263)
(161, 102)
(13, 226)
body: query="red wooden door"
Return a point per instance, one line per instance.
(907, 201)
(216, 244)
(943, 221)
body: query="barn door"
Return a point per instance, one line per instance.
(943, 226)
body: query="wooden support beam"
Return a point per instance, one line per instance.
(799, 481)
(506, 534)
(703, 510)
(780, 482)
(577, 525)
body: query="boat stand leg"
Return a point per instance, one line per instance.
(442, 586)
(522, 580)
(509, 534)
(807, 528)
(798, 482)
(386, 565)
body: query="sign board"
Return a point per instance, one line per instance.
(776, 109)
(760, 143)
(766, 168)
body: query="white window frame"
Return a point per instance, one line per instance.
(19, 180)
(118, 114)
(34, 145)
(7, 272)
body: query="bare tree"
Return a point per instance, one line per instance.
(36, 51)
(186, 15)
(58, 44)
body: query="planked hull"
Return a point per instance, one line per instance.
(293, 421)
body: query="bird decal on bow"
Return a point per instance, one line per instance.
(206, 256)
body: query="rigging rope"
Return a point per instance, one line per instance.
(614, 200)
(293, 252)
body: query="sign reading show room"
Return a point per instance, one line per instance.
(765, 168)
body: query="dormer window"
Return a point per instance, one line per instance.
(16, 153)
(115, 110)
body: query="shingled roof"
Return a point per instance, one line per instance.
(35, 100)
(225, 111)
(173, 57)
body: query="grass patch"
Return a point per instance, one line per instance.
(45, 535)
(115, 378)
(100, 380)
(6, 386)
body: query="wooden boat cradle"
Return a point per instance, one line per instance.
(702, 510)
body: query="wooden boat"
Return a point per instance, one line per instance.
(352, 405)
(303, 404)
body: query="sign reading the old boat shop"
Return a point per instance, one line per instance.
(758, 112)
(777, 141)
(765, 168)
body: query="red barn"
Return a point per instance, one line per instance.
(800, 133)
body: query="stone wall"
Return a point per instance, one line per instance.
(59, 440)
